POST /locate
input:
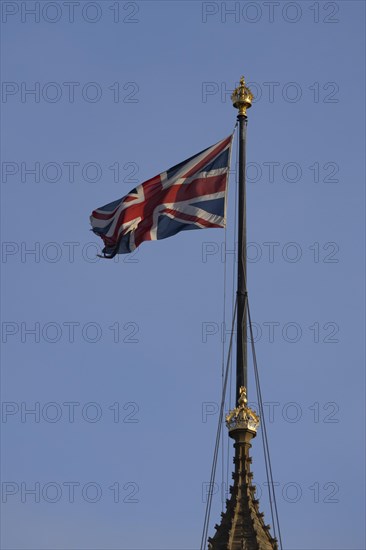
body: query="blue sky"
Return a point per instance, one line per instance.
(123, 367)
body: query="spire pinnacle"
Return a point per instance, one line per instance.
(242, 417)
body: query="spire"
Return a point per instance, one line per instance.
(242, 525)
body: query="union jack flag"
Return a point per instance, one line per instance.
(191, 195)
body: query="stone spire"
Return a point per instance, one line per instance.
(242, 525)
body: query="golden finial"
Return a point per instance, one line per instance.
(242, 97)
(242, 417)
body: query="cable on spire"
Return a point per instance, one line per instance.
(267, 458)
(217, 444)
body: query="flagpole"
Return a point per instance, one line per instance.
(242, 100)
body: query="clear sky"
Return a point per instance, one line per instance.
(123, 367)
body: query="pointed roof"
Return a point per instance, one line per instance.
(242, 525)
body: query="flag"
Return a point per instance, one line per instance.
(191, 195)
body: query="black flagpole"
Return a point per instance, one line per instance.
(241, 345)
(242, 100)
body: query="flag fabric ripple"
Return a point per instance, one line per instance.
(191, 195)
